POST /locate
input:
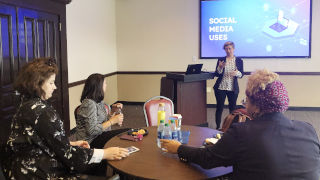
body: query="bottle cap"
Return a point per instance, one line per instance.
(166, 124)
(161, 104)
(177, 116)
(172, 120)
(161, 121)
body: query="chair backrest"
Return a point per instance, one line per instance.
(1, 173)
(73, 130)
(237, 116)
(150, 109)
(76, 112)
(107, 108)
(3, 155)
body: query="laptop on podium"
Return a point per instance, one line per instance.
(194, 69)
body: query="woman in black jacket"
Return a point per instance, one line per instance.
(37, 146)
(270, 146)
(228, 70)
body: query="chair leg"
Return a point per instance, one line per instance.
(110, 171)
(114, 177)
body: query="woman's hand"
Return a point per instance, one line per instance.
(234, 73)
(81, 143)
(117, 119)
(115, 153)
(222, 64)
(170, 146)
(115, 108)
(117, 105)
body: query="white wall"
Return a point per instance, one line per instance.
(163, 35)
(160, 35)
(91, 38)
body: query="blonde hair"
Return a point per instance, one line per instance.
(259, 80)
(228, 43)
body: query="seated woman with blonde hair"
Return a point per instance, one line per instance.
(37, 147)
(270, 146)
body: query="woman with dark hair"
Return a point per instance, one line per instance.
(270, 146)
(37, 147)
(228, 70)
(93, 118)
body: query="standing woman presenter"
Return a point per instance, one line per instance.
(228, 70)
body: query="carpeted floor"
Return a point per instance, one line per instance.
(134, 117)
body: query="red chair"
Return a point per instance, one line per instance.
(150, 109)
(107, 108)
(237, 116)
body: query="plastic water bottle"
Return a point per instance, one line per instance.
(167, 132)
(161, 113)
(178, 125)
(174, 131)
(160, 132)
(177, 119)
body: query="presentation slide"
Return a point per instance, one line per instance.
(259, 28)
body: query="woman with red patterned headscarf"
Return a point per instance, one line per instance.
(270, 146)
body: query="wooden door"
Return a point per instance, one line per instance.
(39, 37)
(9, 67)
(25, 34)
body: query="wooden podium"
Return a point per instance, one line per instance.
(189, 95)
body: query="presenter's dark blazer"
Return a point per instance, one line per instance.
(239, 64)
(271, 147)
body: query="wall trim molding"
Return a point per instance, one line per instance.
(181, 72)
(245, 73)
(291, 108)
(130, 103)
(63, 1)
(144, 72)
(77, 83)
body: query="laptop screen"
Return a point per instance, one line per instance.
(194, 69)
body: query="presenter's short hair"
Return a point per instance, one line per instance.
(228, 43)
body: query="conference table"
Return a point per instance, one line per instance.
(151, 163)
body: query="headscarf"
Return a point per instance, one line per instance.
(273, 99)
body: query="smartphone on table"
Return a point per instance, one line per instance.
(132, 149)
